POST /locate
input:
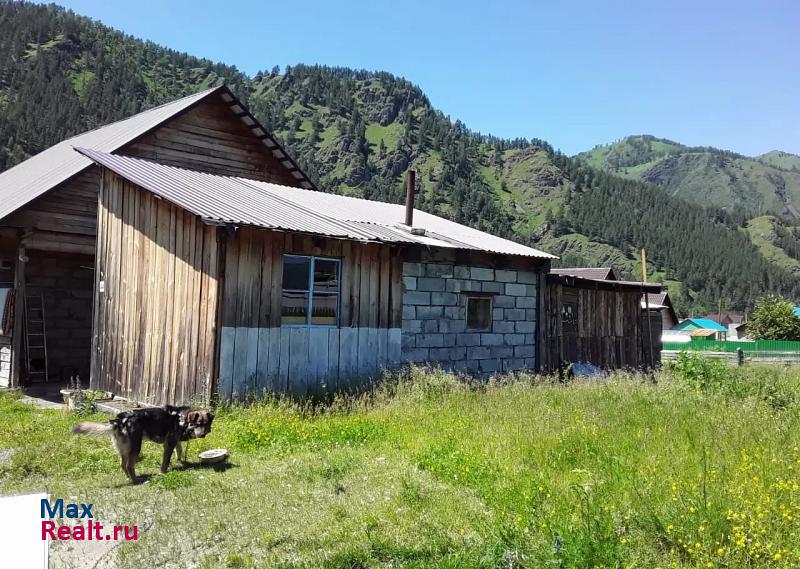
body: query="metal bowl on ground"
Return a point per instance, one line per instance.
(213, 456)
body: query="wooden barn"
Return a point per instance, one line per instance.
(182, 253)
(600, 322)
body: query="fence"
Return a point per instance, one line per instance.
(762, 351)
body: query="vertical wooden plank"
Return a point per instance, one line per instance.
(155, 312)
(194, 293)
(283, 370)
(229, 322)
(348, 356)
(374, 285)
(363, 293)
(346, 284)
(385, 276)
(298, 362)
(316, 381)
(98, 317)
(172, 330)
(394, 349)
(382, 353)
(112, 272)
(396, 290)
(355, 286)
(276, 288)
(332, 374)
(211, 293)
(274, 381)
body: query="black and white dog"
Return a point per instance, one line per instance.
(164, 425)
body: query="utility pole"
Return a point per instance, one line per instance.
(644, 267)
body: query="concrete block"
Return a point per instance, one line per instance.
(515, 289)
(490, 339)
(408, 341)
(455, 312)
(477, 353)
(461, 272)
(450, 340)
(438, 270)
(524, 327)
(430, 340)
(461, 285)
(481, 274)
(525, 351)
(412, 269)
(444, 299)
(505, 276)
(501, 352)
(503, 301)
(490, 366)
(409, 312)
(531, 290)
(530, 314)
(452, 326)
(511, 314)
(492, 286)
(514, 339)
(430, 284)
(529, 339)
(530, 363)
(417, 355)
(412, 326)
(514, 364)
(416, 297)
(440, 354)
(431, 326)
(526, 277)
(458, 353)
(425, 312)
(526, 302)
(469, 339)
(409, 283)
(497, 313)
(503, 327)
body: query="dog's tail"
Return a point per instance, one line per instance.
(95, 429)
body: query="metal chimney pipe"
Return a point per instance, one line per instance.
(412, 179)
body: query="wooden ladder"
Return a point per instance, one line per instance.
(36, 338)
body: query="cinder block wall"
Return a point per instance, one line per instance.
(435, 319)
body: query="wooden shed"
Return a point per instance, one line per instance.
(600, 322)
(199, 259)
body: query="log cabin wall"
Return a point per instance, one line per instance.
(210, 138)
(602, 326)
(258, 354)
(155, 300)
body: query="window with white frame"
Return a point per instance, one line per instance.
(310, 291)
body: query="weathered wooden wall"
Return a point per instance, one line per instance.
(156, 298)
(210, 138)
(257, 354)
(602, 326)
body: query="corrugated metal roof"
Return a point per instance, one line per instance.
(241, 201)
(43, 172)
(599, 273)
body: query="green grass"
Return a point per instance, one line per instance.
(762, 233)
(430, 472)
(390, 134)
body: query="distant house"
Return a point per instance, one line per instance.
(712, 330)
(661, 302)
(735, 323)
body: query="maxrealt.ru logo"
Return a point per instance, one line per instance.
(53, 527)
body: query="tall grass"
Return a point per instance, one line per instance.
(699, 469)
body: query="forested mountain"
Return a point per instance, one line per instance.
(358, 132)
(767, 184)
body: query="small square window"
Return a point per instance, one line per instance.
(479, 312)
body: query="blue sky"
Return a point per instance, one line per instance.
(575, 73)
